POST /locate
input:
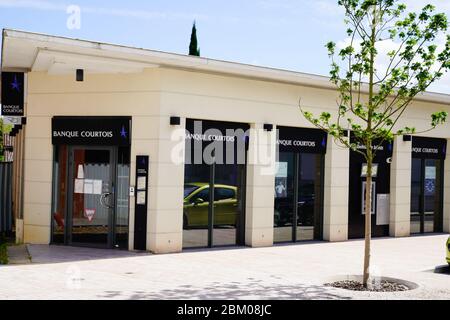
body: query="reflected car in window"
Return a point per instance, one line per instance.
(196, 205)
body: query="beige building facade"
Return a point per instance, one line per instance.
(155, 90)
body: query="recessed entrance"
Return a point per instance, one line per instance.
(90, 183)
(380, 190)
(427, 184)
(91, 196)
(298, 211)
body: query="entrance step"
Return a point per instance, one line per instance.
(18, 254)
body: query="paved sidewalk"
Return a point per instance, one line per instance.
(18, 254)
(280, 272)
(59, 254)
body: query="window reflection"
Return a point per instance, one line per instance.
(59, 194)
(298, 197)
(213, 206)
(426, 184)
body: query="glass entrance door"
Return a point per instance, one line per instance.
(426, 195)
(298, 197)
(309, 198)
(91, 196)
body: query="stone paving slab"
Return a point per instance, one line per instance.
(296, 271)
(18, 254)
(59, 253)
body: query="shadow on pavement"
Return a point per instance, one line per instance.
(59, 254)
(444, 269)
(251, 289)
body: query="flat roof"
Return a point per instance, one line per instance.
(28, 51)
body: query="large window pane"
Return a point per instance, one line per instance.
(214, 183)
(123, 182)
(90, 215)
(429, 194)
(309, 202)
(284, 198)
(227, 203)
(59, 194)
(416, 194)
(426, 202)
(196, 205)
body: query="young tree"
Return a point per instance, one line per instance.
(194, 50)
(373, 96)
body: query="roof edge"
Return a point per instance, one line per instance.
(207, 65)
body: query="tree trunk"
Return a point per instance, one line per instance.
(369, 152)
(368, 226)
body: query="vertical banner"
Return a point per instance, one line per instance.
(13, 93)
(140, 211)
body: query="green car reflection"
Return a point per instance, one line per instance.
(448, 250)
(196, 204)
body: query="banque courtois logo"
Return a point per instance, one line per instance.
(12, 93)
(15, 84)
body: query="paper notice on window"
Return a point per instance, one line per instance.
(79, 186)
(80, 172)
(141, 183)
(282, 169)
(430, 173)
(98, 186)
(140, 197)
(88, 186)
(383, 210)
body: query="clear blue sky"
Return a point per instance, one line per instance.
(288, 34)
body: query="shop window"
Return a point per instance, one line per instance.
(215, 158)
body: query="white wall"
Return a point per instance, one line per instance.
(151, 98)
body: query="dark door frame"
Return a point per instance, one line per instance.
(113, 150)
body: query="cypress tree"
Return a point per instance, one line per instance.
(193, 46)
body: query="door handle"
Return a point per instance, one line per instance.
(103, 198)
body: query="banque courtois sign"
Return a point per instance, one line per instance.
(301, 140)
(432, 148)
(107, 131)
(13, 94)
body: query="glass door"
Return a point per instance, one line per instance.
(91, 196)
(309, 198)
(284, 197)
(426, 195)
(416, 195)
(298, 197)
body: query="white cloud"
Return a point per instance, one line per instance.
(327, 8)
(417, 5)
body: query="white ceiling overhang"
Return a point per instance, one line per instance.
(60, 62)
